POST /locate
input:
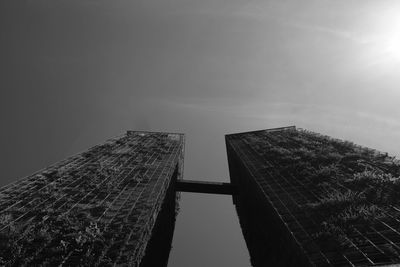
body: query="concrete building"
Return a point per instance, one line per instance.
(113, 204)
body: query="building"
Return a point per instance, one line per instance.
(112, 204)
(304, 199)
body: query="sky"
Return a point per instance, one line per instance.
(74, 73)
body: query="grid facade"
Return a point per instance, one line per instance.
(97, 208)
(310, 200)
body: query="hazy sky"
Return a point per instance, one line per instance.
(73, 73)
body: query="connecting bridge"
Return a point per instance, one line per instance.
(205, 187)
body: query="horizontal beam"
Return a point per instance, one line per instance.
(205, 187)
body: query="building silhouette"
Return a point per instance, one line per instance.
(303, 199)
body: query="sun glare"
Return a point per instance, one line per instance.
(390, 41)
(385, 38)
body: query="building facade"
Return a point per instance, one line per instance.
(303, 199)
(309, 200)
(113, 204)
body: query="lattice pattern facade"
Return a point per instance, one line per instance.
(97, 208)
(310, 200)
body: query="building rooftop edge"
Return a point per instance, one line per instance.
(155, 132)
(270, 129)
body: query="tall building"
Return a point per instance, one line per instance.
(111, 205)
(304, 199)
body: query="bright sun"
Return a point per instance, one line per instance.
(390, 42)
(386, 35)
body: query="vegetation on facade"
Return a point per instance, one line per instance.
(92, 209)
(349, 191)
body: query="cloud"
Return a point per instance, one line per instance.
(310, 17)
(327, 30)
